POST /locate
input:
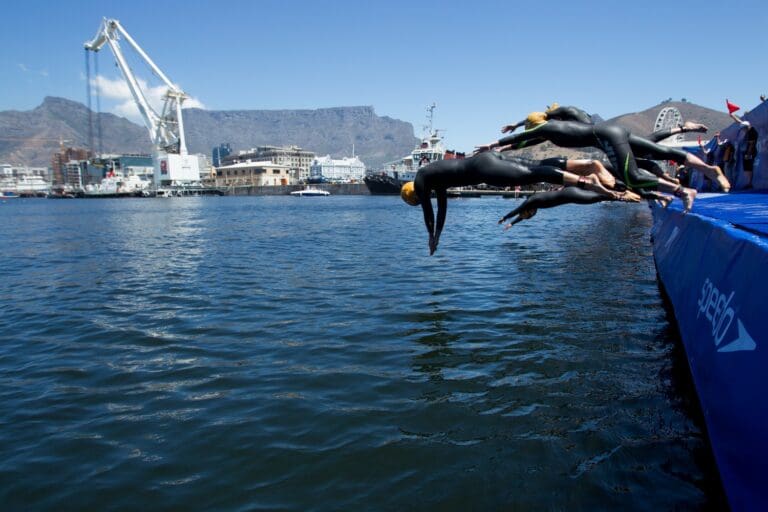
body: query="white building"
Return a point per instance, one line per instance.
(258, 174)
(345, 170)
(296, 159)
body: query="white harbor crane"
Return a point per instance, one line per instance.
(173, 164)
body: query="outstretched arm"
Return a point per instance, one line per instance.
(514, 141)
(559, 197)
(442, 207)
(424, 194)
(739, 120)
(512, 127)
(551, 199)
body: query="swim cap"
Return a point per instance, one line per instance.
(552, 107)
(535, 119)
(408, 193)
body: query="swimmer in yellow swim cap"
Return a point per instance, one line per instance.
(408, 194)
(535, 119)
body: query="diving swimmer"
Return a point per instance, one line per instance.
(490, 168)
(644, 149)
(611, 138)
(550, 199)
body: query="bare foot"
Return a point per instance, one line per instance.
(662, 200)
(687, 195)
(593, 183)
(690, 126)
(606, 178)
(629, 197)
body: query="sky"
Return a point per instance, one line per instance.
(483, 63)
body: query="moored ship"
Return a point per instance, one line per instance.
(389, 179)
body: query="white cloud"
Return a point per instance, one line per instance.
(26, 69)
(117, 91)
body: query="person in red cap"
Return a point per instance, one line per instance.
(750, 151)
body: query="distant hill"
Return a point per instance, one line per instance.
(31, 137)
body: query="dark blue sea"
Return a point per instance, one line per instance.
(307, 354)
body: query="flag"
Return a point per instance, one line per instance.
(732, 107)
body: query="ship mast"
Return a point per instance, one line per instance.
(430, 117)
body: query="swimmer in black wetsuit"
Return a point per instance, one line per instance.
(530, 206)
(641, 148)
(612, 139)
(490, 168)
(569, 113)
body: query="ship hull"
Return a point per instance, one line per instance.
(383, 185)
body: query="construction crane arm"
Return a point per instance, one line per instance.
(164, 130)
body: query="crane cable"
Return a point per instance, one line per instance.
(89, 94)
(98, 102)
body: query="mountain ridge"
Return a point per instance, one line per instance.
(32, 137)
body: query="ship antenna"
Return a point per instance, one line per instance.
(430, 116)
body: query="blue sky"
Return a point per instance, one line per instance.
(484, 63)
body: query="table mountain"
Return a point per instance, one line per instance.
(31, 137)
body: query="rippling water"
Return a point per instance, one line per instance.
(285, 353)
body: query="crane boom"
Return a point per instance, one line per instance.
(166, 129)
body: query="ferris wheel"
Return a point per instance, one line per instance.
(669, 117)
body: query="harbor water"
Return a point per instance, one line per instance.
(283, 353)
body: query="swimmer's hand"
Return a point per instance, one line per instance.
(523, 215)
(510, 127)
(485, 147)
(432, 245)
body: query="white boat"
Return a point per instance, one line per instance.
(310, 191)
(117, 186)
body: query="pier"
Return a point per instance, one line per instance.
(712, 266)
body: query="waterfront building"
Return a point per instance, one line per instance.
(294, 158)
(60, 159)
(218, 154)
(73, 173)
(345, 170)
(257, 174)
(207, 171)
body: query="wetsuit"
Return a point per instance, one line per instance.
(555, 198)
(576, 114)
(489, 168)
(612, 139)
(644, 148)
(569, 114)
(662, 134)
